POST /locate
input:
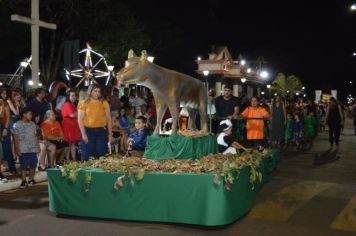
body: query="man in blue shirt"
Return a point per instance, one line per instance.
(39, 105)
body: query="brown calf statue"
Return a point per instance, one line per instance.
(170, 89)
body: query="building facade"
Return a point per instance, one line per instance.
(221, 68)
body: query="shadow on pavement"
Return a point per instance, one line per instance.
(325, 157)
(34, 197)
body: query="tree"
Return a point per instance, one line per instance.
(109, 25)
(286, 85)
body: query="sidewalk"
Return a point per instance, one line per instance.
(15, 183)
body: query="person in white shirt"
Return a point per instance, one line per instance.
(226, 144)
(139, 101)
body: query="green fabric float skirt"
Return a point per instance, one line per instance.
(179, 147)
(158, 197)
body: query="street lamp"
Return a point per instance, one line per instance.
(264, 74)
(350, 82)
(243, 80)
(24, 64)
(353, 7)
(206, 73)
(249, 70)
(111, 68)
(243, 62)
(303, 88)
(30, 82)
(199, 58)
(268, 89)
(150, 58)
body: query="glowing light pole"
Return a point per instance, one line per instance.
(268, 88)
(264, 74)
(206, 73)
(150, 59)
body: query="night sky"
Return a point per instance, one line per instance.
(313, 40)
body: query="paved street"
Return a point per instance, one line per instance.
(300, 199)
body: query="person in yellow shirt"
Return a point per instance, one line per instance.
(255, 127)
(95, 124)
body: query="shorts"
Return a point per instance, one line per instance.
(28, 160)
(58, 144)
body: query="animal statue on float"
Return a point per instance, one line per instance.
(170, 89)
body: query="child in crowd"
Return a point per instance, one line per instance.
(309, 126)
(225, 141)
(43, 145)
(144, 112)
(121, 129)
(26, 145)
(123, 121)
(297, 128)
(137, 140)
(131, 117)
(115, 132)
(322, 118)
(289, 131)
(316, 123)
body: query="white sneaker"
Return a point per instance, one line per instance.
(3, 180)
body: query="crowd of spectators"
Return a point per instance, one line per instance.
(39, 133)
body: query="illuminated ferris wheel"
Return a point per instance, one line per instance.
(94, 69)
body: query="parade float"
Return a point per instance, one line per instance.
(180, 179)
(214, 190)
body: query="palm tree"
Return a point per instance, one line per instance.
(286, 85)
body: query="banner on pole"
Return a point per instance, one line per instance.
(334, 93)
(317, 96)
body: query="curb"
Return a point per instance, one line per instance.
(14, 184)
